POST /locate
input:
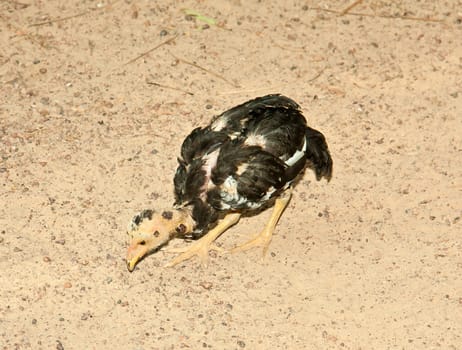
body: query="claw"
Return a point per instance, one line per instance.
(205, 244)
(261, 240)
(198, 248)
(264, 238)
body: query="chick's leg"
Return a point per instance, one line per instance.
(263, 239)
(202, 246)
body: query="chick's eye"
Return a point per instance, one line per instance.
(142, 242)
(181, 228)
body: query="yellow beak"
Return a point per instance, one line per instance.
(131, 264)
(134, 253)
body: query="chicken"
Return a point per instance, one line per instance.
(247, 159)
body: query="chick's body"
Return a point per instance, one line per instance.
(245, 159)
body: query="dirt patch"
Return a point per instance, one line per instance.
(96, 99)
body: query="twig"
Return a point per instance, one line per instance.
(23, 33)
(60, 19)
(346, 10)
(151, 50)
(169, 87)
(380, 16)
(80, 14)
(205, 70)
(17, 3)
(317, 75)
(273, 88)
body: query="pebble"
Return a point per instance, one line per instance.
(46, 259)
(85, 316)
(59, 345)
(241, 343)
(67, 284)
(206, 285)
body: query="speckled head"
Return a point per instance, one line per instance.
(149, 230)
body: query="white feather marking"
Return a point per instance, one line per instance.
(255, 140)
(210, 162)
(268, 194)
(297, 155)
(241, 168)
(219, 124)
(229, 194)
(230, 186)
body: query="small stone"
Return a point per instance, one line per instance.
(163, 32)
(34, 321)
(241, 343)
(42, 70)
(83, 262)
(206, 285)
(59, 345)
(85, 316)
(208, 106)
(46, 259)
(61, 241)
(67, 285)
(292, 37)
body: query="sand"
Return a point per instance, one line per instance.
(95, 100)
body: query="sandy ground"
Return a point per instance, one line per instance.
(93, 112)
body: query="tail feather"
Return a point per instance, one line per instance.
(317, 152)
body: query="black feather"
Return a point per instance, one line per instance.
(245, 157)
(318, 154)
